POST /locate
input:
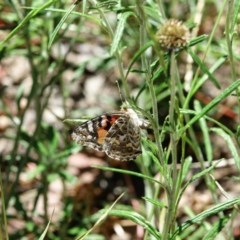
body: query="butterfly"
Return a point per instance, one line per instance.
(118, 134)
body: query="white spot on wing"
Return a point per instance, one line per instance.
(90, 126)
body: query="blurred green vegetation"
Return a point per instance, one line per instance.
(51, 55)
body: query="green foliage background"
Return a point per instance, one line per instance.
(153, 82)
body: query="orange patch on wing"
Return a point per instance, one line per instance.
(113, 119)
(101, 135)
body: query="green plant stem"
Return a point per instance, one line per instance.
(31, 96)
(149, 187)
(40, 103)
(172, 120)
(3, 217)
(229, 39)
(145, 65)
(173, 195)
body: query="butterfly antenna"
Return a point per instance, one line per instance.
(120, 93)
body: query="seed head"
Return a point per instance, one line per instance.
(172, 35)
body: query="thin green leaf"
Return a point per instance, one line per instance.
(207, 213)
(119, 31)
(204, 68)
(212, 104)
(58, 27)
(101, 219)
(137, 56)
(185, 167)
(238, 134)
(201, 80)
(36, 171)
(235, 15)
(216, 228)
(130, 173)
(230, 144)
(107, 4)
(209, 119)
(138, 219)
(3, 217)
(201, 174)
(42, 148)
(197, 40)
(154, 202)
(46, 229)
(74, 122)
(29, 16)
(205, 131)
(54, 141)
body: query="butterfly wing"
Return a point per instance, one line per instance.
(122, 141)
(93, 132)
